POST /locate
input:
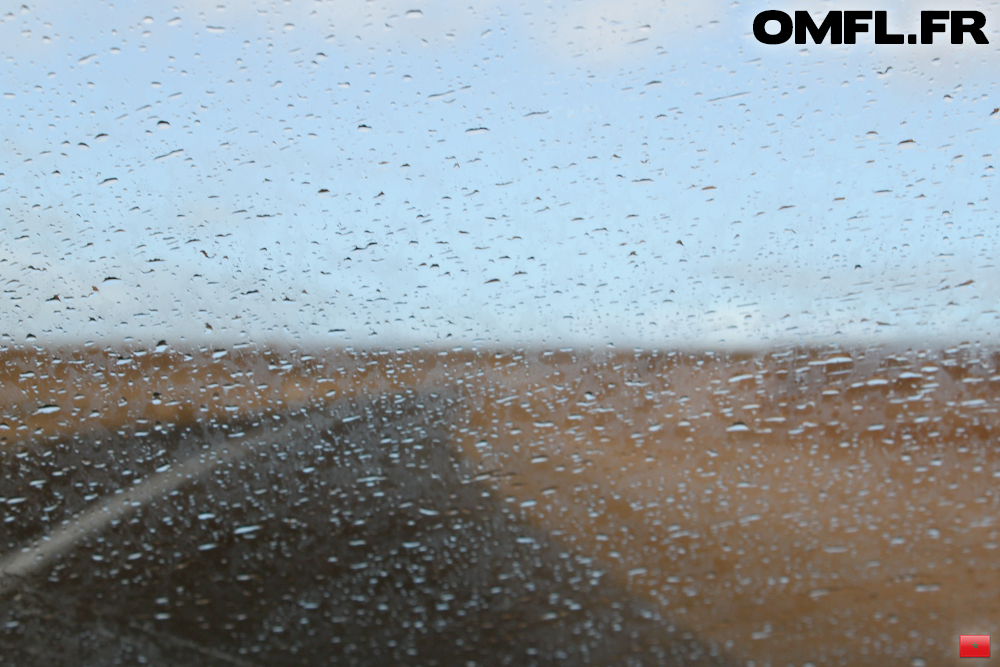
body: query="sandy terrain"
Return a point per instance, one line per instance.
(824, 506)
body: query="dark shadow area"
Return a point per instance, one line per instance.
(347, 535)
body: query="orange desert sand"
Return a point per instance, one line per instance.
(831, 505)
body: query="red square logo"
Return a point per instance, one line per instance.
(974, 646)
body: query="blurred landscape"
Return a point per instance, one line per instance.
(806, 505)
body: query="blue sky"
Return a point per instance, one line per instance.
(574, 173)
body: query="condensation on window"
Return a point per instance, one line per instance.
(493, 334)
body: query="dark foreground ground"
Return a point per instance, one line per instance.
(821, 507)
(310, 539)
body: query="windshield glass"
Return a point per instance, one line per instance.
(512, 333)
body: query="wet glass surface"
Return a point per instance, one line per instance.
(526, 507)
(572, 333)
(313, 538)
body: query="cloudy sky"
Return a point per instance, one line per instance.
(553, 173)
